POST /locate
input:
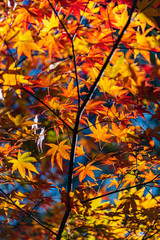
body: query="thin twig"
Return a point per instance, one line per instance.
(74, 35)
(95, 124)
(120, 190)
(39, 100)
(76, 74)
(26, 213)
(145, 234)
(73, 51)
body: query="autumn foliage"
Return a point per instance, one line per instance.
(79, 119)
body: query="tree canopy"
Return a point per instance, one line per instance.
(79, 119)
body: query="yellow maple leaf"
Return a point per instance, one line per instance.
(129, 179)
(12, 77)
(18, 120)
(22, 163)
(145, 44)
(52, 23)
(147, 12)
(109, 82)
(25, 44)
(51, 43)
(120, 17)
(96, 203)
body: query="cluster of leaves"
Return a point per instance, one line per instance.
(79, 119)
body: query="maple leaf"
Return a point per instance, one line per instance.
(11, 77)
(6, 205)
(84, 171)
(94, 105)
(109, 16)
(22, 163)
(120, 17)
(25, 17)
(49, 25)
(129, 179)
(79, 151)
(54, 103)
(109, 86)
(52, 44)
(113, 182)
(71, 91)
(18, 120)
(148, 177)
(58, 152)
(145, 43)
(20, 195)
(109, 82)
(25, 44)
(7, 150)
(96, 203)
(98, 132)
(75, 7)
(124, 134)
(147, 11)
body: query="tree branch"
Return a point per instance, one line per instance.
(73, 51)
(120, 190)
(39, 100)
(26, 213)
(65, 217)
(76, 74)
(75, 130)
(94, 86)
(35, 97)
(60, 20)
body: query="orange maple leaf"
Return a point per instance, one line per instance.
(84, 171)
(79, 151)
(58, 152)
(99, 133)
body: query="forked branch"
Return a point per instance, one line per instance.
(79, 114)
